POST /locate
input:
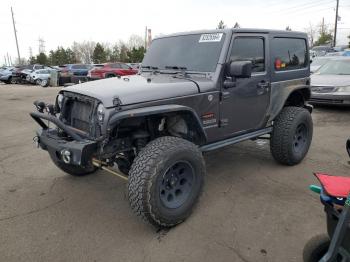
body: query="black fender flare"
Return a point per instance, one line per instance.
(280, 94)
(159, 110)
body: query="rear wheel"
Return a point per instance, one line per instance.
(291, 136)
(44, 82)
(165, 181)
(316, 248)
(110, 75)
(72, 169)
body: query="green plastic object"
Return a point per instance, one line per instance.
(315, 189)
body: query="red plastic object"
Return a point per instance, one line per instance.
(335, 186)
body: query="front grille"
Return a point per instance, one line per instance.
(77, 113)
(327, 101)
(323, 89)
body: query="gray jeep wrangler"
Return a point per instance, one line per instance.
(196, 92)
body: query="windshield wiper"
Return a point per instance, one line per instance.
(176, 67)
(150, 67)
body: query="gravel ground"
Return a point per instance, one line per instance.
(252, 209)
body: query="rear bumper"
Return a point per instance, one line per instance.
(81, 152)
(330, 99)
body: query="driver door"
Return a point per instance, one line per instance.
(244, 106)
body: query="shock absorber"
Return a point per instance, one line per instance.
(140, 139)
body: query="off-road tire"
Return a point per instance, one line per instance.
(316, 248)
(72, 169)
(147, 173)
(284, 136)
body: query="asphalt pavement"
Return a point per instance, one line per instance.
(252, 209)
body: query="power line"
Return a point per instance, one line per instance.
(302, 8)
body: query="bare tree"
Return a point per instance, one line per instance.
(84, 51)
(135, 41)
(312, 33)
(221, 25)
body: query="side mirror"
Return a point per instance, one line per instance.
(240, 69)
(348, 146)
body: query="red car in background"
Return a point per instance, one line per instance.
(111, 70)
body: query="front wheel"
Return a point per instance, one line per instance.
(316, 248)
(165, 181)
(291, 136)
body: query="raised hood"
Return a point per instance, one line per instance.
(135, 89)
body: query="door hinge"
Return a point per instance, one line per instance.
(224, 95)
(223, 122)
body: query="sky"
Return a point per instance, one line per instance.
(60, 23)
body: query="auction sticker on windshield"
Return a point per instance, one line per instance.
(216, 37)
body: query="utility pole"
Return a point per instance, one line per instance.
(6, 64)
(336, 24)
(41, 45)
(146, 38)
(14, 29)
(30, 52)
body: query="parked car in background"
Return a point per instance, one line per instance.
(346, 52)
(340, 48)
(20, 73)
(322, 50)
(135, 65)
(74, 69)
(111, 70)
(38, 76)
(340, 53)
(330, 84)
(6, 74)
(317, 62)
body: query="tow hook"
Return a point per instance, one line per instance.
(36, 141)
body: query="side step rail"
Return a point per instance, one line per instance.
(234, 140)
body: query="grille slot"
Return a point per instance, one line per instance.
(78, 113)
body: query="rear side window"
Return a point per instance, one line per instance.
(289, 53)
(79, 67)
(115, 65)
(124, 66)
(249, 49)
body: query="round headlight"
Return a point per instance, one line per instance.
(60, 100)
(100, 112)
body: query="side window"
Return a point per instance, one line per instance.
(124, 66)
(249, 49)
(115, 65)
(289, 53)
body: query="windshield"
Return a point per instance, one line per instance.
(335, 67)
(199, 52)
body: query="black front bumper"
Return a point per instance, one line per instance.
(81, 152)
(81, 149)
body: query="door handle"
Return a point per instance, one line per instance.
(263, 85)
